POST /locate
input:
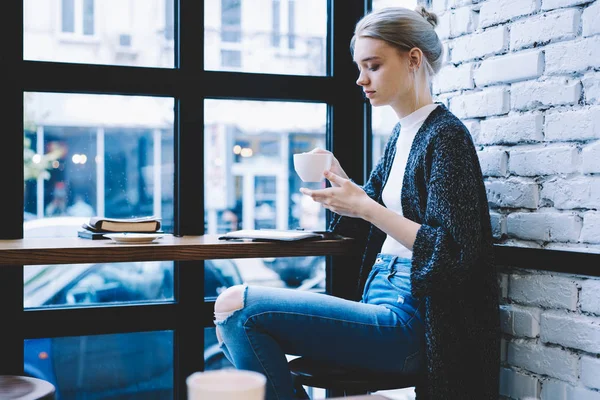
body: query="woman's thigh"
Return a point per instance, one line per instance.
(330, 329)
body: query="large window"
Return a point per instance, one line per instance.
(135, 33)
(266, 36)
(189, 111)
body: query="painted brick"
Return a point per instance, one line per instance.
(573, 125)
(492, 101)
(503, 284)
(543, 291)
(462, 21)
(590, 295)
(590, 372)
(473, 46)
(510, 68)
(591, 85)
(591, 158)
(565, 194)
(554, 390)
(512, 193)
(451, 78)
(552, 4)
(472, 126)
(590, 233)
(515, 128)
(503, 351)
(578, 393)
(520, 321)
(493, 12)
(544, 360)
(572, 56)
(590, 18)
(439, 6)
(458, 3)
(544, 28)
(443, 27)
(516, 385)
(551, 92)
(570, 330)
(549, 160)
(555, 227)
(493, 161)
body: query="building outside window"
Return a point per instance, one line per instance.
(77, 17)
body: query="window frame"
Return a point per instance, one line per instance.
(189, 84)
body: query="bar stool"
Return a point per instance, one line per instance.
(14, 387)
(342, 382)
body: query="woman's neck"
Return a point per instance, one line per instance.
(411, 105)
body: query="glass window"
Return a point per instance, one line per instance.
(291, 39)
(250, 182)
(384, 118)
(102, 155)
(135, 33)
(68, 16)
(133, 366)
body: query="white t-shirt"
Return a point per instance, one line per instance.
(409, 126)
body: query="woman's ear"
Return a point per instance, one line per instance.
(415, 55)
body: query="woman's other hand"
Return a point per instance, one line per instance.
(336, 168)
(344, 197)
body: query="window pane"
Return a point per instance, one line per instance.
(93, 32)
(88, 17)
(100, 155)
(250, 183)
(68, 16)
(267, 36)
(383, 118)
(133, 366)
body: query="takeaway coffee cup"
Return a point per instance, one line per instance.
(226, 384)
(310, 166)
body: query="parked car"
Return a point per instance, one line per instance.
(117, 366)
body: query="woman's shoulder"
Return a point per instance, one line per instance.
(443, 126)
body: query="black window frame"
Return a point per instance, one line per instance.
(189, 84)
(348, 136)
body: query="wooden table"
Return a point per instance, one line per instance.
(36, 251)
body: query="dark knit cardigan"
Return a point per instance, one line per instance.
(452, 264)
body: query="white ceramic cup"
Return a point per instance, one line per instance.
(226, 384)
(310, 166)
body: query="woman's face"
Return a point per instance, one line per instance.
(384, 73)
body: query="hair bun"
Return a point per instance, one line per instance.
(431, 17)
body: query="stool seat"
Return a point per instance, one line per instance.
(315, 374)
(14, 387)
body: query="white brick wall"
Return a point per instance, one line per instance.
(543, 28)
(551, 335)
(524, 76)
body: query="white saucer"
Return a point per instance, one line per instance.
(134, 237)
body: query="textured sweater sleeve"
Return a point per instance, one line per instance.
(357, 227)
(448, 243)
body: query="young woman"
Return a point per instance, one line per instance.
(429, 288)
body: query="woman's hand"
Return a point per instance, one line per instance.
(336, 168)
(344, 197)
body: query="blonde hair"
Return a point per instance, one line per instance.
(405, 29)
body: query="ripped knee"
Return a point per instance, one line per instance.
(229, 301)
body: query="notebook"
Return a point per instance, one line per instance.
(271, 235)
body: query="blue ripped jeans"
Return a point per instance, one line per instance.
(383, 332)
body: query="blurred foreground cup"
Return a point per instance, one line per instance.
(226, 384)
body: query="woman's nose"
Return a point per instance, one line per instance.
(362, 79)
